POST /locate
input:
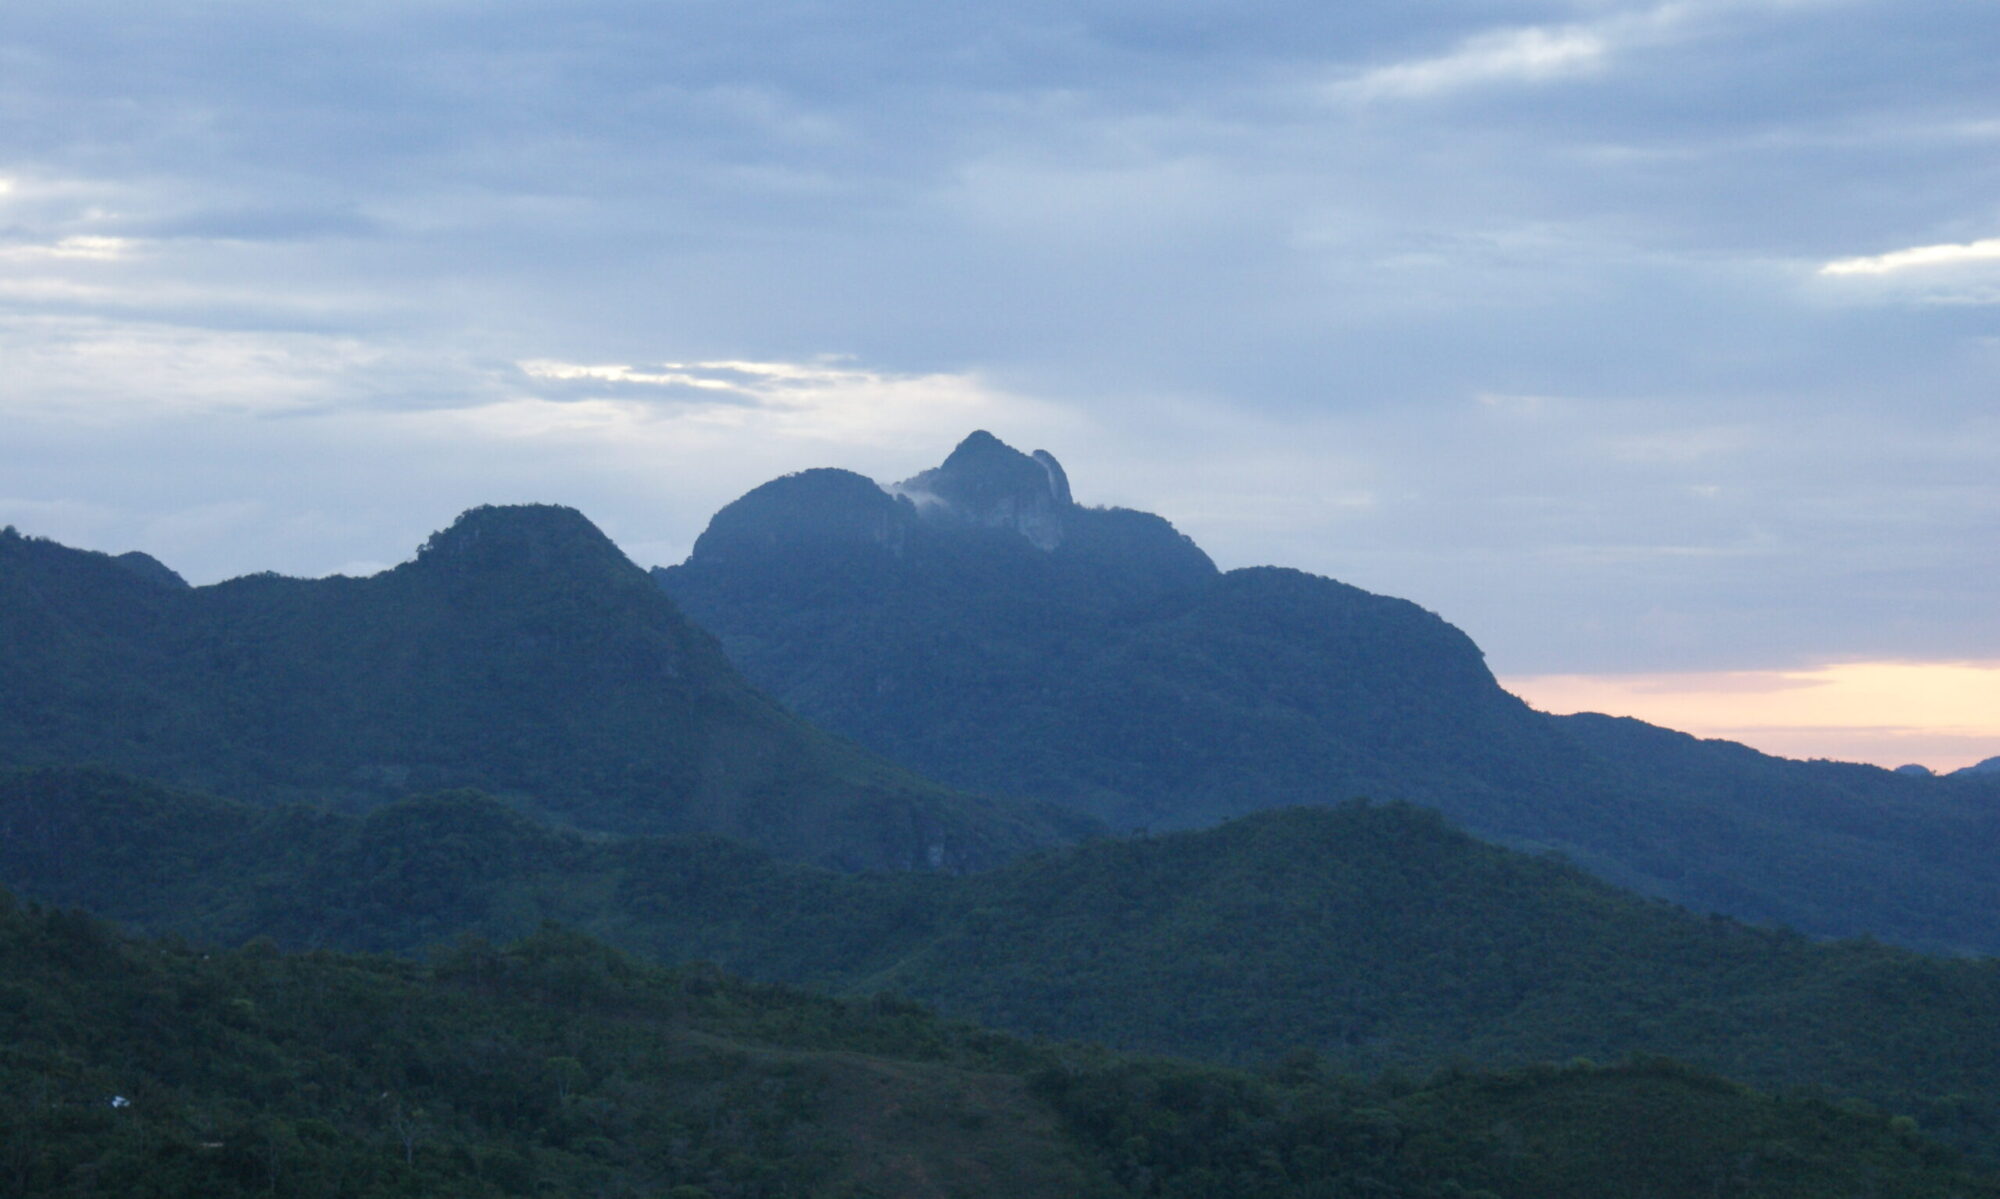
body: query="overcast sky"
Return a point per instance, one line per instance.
(1631, 337)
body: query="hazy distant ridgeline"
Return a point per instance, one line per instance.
(1372, 935)
(520, 652)
(977, 625)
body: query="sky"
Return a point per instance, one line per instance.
(1653, 344)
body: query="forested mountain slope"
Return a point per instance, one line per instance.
(978, 625)
(1371, 935)
(557, 1066)
(519, 652)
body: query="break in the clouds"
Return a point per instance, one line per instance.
(1630, 336)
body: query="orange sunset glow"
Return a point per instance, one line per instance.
(1944, 715)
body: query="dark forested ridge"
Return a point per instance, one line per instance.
(1372, 936)
(519, 652)
(558, 1066)
(978, 625)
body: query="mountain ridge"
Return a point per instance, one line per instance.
(1118, 672)
(518, 651)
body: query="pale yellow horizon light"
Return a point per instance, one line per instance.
(1944, 715)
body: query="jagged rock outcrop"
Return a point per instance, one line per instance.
(990, 484)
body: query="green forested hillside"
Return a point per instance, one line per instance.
(557, 1066)
(554, 1066)
(978, 625)
(1374, 936)
(520, 652)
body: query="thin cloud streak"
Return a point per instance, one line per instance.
(95, 249)
(1986, 250)
(1531, 55)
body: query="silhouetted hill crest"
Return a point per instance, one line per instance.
(511, 537)
(150, 568)
(810, 509)
(520, 652)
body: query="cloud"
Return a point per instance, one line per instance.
(1531, 55)
(667, 375)
(101, 372)
(84, 247)
(1544, 53)
(1915, 258)
(827, 402)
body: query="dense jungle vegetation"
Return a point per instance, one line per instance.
(1374, 936)
(557, 1065)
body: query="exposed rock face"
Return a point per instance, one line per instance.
(988, 483)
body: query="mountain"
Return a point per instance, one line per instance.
(1372, 935)
(977, 624)
(519, 652)
(1988, 766)
(557, 1066)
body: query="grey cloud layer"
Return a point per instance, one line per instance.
(1510, 307)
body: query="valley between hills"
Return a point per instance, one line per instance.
(943, 837)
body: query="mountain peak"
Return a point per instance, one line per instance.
(539, 536)
(988, 483)
(822, 506)
(979, 441)
(150, 568)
